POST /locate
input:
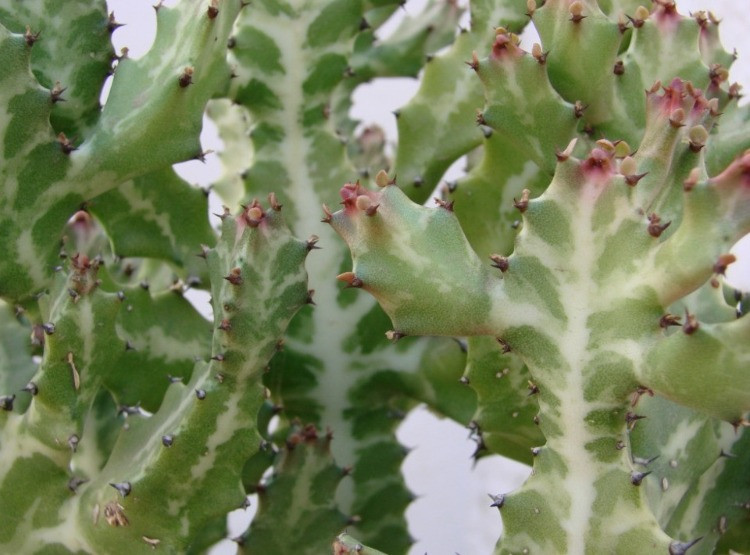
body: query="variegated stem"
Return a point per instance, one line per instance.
(45, 180)
(288, 64)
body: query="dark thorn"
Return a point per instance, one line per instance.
(120, 295)
(328, 216)
(397, 113)
(274, 202)
(31, 387)
(55, 94)
(533, 389)
(213, 10)
(681, 548)
(655, 227)
(129, 409)
(637, 477)
(497, 500)
(418, 181)
(372, 210)
(364, 24)
(186, 77)
(535, 451)
(30, 37)
(723, 453)
(129, 346)
(123, 488)
(66, 145)
(73, 294)
(500, 262)
(393, 335)
(225, 325)
(167, 440)
(619, 68)
(515, 224)
(6, 402)
(523, 203)
(200, 394)
(144, 285)
(73, 442)
(352, 520)
(234, 277)
(231, 42)
(669, 320)
(463, 380)
(620, 445)
(504, 344)
(174, 379)
(691, 323)
(443, 204)
(487, 132)
(75, 482)
(644, 462)
(536, 419)
(633, 180)
(49, 328)
(631, 418)
(218, 358)
(204, 251)
(309, 299)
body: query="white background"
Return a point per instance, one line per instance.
(452, 512)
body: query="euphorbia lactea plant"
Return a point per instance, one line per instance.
(572, 281)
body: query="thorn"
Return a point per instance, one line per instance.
(539, 55)
(720, 267)
(30, 37)
(186, 77)
(144, 285)
(655, 227)
(234, 277)
(631, 419)
(213, 9)
(644, 462)
(563, 155)
(497, 500)
(474, 62)
(443, 204)
(309, 299)
(49, 328)
(350, 279)
(633, 179)
(533, 389)
(504, 344)
(619, 68)
(669, 320)
(274, 202)
(463, 380)
(724, 454)
(225, 325)
(637, 477)
(123, 488)
(418, 181)
(396, 113)
(31, 387)
(328, 215)
(167, 440)
(55, 94)
(75, 482)
(691, 323)
(681, 548)
(500, 262)
(576, 12)
(620, 445)
(218, 358)
(6, 402)
(535, 451)
(393, 335)
(73, 442)
(65, 144)
(522, 204)
(174, 379)
(129, 346)
(364, 24)
(200, 394)
(372, 210)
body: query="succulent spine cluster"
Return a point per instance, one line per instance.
(575, 275)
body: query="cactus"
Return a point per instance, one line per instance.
(573, 280)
